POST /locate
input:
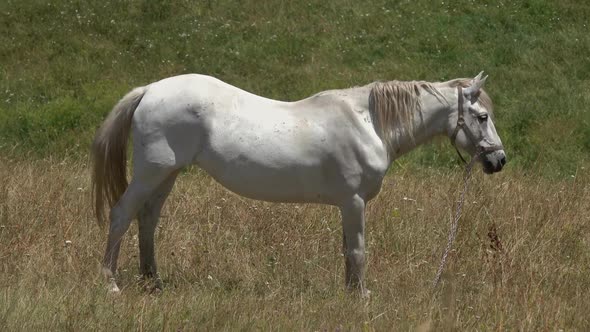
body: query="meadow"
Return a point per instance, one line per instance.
(521, 260)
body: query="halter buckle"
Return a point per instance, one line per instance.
(460, 122)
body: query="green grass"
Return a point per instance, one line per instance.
(66, 63)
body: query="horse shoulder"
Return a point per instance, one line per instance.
(362, 154)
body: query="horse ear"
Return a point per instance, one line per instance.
(472, 91)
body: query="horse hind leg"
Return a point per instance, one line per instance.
(136, 194)
(148, 218)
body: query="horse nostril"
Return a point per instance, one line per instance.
(503, 161)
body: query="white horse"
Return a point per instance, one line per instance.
(332, 148)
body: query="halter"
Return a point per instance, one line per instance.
(479, 149)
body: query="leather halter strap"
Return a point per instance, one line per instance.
(479, 149)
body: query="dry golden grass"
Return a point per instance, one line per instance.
(521, 259)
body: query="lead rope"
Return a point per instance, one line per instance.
(455, 224)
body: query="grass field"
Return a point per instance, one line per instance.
(521, 259)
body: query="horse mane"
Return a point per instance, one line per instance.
(394, 104)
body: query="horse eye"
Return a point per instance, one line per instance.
(482, 117)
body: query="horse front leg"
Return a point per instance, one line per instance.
(353, 227)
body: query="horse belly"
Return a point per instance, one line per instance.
(268, 171)
(273, 186)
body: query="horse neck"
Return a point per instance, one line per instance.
(431, 121)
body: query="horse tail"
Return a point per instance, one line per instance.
(109, 154)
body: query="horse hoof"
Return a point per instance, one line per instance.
(156, 291)
(113, 288)
(158, 284)
(156, 288)
(359, 291)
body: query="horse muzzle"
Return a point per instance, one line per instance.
(493, 162)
